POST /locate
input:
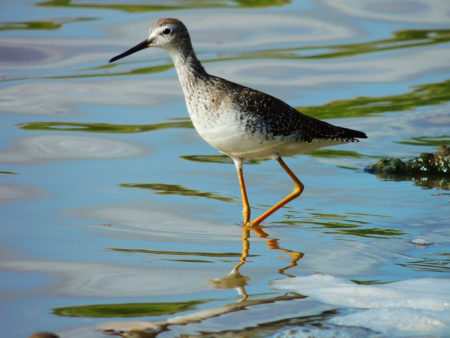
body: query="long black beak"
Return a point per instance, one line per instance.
(144, 44)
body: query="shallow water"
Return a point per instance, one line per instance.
(109, 198)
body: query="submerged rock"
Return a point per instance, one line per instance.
(428, 170)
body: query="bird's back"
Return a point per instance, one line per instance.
(241, 121)
(280, 119)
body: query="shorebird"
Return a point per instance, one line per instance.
(239, 121)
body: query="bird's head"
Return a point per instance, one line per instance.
(167, 33)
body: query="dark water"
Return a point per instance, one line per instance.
(114, 211)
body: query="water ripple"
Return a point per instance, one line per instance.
(413, 11)
(44, 148)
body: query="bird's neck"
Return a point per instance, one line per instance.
(189, 68)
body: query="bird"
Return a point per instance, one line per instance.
(241, 122)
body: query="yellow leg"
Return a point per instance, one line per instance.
(299, 187)
(245, 205)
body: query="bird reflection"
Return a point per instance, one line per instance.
(233, 280)
(272, 243)
(237, 280)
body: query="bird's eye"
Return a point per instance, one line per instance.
(167, 31)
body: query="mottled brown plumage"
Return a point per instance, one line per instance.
(273, 117)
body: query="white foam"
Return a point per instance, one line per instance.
(419, 306)
(420, 242)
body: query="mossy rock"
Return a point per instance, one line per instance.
(427, 170)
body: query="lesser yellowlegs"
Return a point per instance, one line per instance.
(241, 122)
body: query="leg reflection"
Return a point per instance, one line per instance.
(235, 279)
(245, 246)
(238, 281)
(272, 243)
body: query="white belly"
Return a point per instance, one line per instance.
(226, 132)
